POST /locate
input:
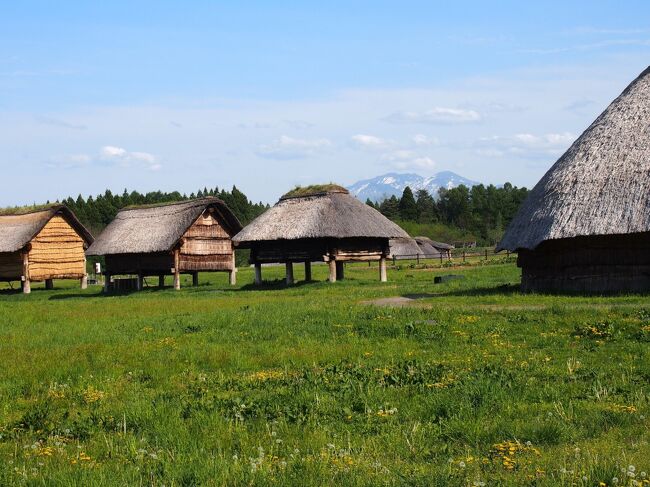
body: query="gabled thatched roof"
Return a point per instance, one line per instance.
(601, 185)
(156, 228)
(19, 226)
(325, 213)
(432, 245)
(404, 247)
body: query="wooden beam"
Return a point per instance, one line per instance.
(161, 281)
(382, 269)
(177, 271)
(195, 278)
(107, 283)
(140, 282)
(84, 280)
(289, 268)
(258, 273)
(49, 284)
(27, 286)
(233, 272)
(340, 270)
(307, 271)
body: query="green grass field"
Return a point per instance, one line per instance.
(474, 384)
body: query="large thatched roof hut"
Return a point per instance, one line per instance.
(321, 223)
(404, 249)
(176, 238)
(586, 225)
(42, 245)
(433, 249)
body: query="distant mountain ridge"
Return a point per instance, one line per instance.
(387, 185)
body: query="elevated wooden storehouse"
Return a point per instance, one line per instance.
(321, 223)
(179, 238)
(42, 245)
(586, 225)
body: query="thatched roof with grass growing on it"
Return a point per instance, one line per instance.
(600, 186)
(320, 211)
(19, 226)
(156, 228)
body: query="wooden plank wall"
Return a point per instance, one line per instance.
(11, 266)
(57, 252)
(206, 246)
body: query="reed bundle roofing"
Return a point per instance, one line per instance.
(406, 247)
(319, 212)
(601, 185)
(19, 226)
(156, 228)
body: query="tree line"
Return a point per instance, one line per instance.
(97, 212)
(481, 212)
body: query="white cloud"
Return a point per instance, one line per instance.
(119, 155)
(408, 159)
(525, 145)
(369, 141)
(437, 115)
(421, 140)
(287, 147)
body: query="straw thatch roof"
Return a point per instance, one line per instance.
(431, 247)
(321, 212)
(601, 185)
(406, 248)
(158, 228)
(19, 226)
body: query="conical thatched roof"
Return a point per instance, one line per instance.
(18, 227)
(404, 247)
(156, 228)
(319, 212)
(601, 185)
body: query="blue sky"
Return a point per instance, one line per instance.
(266, 95)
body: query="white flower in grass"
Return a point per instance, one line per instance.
(631, 468)
(614, 480)
(642, 475)
(461, 464)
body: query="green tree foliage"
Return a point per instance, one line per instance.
(482, 211)
(408, 209)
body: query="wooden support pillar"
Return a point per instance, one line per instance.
(161, 281)
(84, 282)
(258, 273)
(332, 264)
(49, 284)
(382, 269)
(107, 283)
(289, 267)
(27, 286)
(307, 271)
(140, 283)
(177, 271)
(340, 270)
(195, 278)
(233, 272)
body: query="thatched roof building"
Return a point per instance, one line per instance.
(586, 225)
(404, 249)
(41, 245)
(319, 223)
(433, 249)
(185, 237)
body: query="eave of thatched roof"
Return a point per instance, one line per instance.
(18, 226)
(158, 228)
(600, 186)
(329, 214)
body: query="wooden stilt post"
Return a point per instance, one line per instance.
(340, 270)
(107, 282)
(382, 269)
(307, 271)
(161, 281)
(258, 273)
(177, 271)
(195, 278)
(49, 284)
(27, 286)
(233, 272)
(289, 267)
(83, 283)
(140, 282)
(332, 264)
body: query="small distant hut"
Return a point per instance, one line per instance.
(432, 249)
(586, 225)
(404, 249)
(169, 239)
(42, 245)
(322, 223)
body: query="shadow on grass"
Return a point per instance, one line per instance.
(277, 284)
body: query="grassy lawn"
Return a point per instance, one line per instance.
(312, 385)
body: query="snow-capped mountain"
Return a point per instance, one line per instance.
(392, 183)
